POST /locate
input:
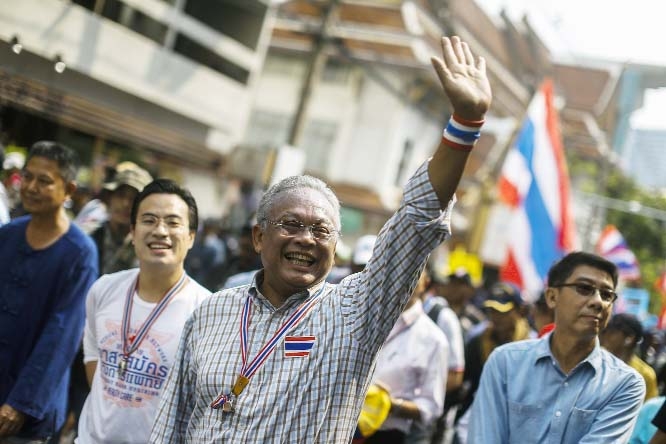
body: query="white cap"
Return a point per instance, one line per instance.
(13, 159)
(363, 249)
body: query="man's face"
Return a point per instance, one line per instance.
(581, 315)
(162, 236)
(293, 263)
(120, 205)
(43, 190)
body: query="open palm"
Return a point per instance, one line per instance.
(464, 80)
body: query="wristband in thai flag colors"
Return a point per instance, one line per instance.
(461, 134)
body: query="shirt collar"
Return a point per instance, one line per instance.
(593, 359)
(255, 293)
(410, 315)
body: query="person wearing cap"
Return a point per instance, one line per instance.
(46, 267)
(563, 387)
(288, 358)
(134, 318)
(621, 337)
(506, 323)
(113, 237)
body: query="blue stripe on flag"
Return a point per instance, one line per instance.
(544, 248)
(298, 346)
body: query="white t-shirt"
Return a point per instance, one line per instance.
(122, 411)
(448, 322)
(412, 365)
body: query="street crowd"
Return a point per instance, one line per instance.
(123, 319)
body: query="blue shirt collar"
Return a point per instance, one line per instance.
(593, 359)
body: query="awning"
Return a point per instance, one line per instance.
(81, 114)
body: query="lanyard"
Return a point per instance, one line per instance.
(131, 343)
(249, 369)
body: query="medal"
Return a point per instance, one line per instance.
(239, 386)
(122, 366)
(228, 406)
(226, 401)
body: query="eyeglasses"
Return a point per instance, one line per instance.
(589, 290)
(322, 233)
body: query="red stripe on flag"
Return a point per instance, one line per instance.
(508, 193)
(566, 235)
(299, 338)
(510, 271)
(298, 354)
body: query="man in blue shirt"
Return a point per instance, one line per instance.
(46, 267)
(562, 388)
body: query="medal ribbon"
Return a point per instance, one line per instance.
(248, 370)
(130, 345)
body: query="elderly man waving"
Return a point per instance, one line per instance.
(288, 358)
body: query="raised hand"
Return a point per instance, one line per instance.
(464, 80)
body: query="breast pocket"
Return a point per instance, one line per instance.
(524, 420)
(579, 424)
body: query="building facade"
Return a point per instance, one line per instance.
(166, 83)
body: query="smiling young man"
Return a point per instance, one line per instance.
(288, 358)
(563, 387)
(47, 266)
(135, 318)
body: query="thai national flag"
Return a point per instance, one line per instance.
(298, 346)
(613, 247)
(534, 183)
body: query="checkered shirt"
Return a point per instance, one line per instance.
(313, 399)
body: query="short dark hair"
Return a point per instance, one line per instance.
(628, 324)
(167, 186)
(564, 268)
(66, 158)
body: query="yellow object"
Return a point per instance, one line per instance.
(648, 373)
(376, 408)
(459, 258)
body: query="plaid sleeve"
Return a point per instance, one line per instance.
(374, 298)
(178, 399)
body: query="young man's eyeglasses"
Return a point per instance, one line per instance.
(320, 232)
(589, 290)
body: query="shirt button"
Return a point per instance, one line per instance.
(558, 413)
(566, 384)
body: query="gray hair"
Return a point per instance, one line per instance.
(292, 183)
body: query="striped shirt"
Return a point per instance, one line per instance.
(312, 399)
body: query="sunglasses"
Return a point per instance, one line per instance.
(589, 290)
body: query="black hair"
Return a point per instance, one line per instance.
(564, 268)
(627, 324)
(167, 186)
(66, 158)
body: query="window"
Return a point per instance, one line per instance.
(200, 54)
(129, 17)
(241, 20)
